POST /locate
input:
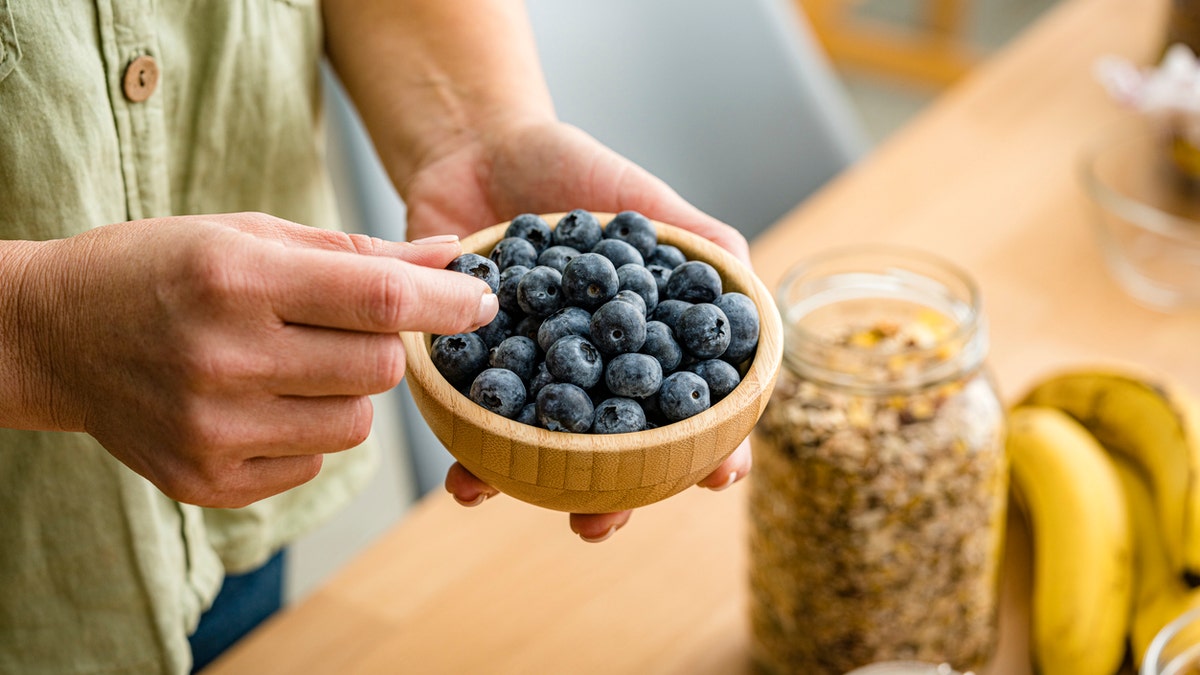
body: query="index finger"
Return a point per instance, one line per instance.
(435, 251)
(372, 294)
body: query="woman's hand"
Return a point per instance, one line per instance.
(541, 167)
(219, 356)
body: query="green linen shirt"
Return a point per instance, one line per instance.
(99, 571)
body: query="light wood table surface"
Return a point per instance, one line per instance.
(987, 177)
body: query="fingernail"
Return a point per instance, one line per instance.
(733, 476)
(488, 305)
(483, 497)
(435, 239)
(596, 540)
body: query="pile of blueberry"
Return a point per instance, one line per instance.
(600, 329)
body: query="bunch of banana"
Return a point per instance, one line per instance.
(1099, 442)
(1082, 562)
(1157, 426)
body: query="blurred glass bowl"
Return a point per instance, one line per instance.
(905, 668)
(1176, 648)
(1148, 215)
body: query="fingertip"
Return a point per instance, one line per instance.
(733, 469)
(594, 528)
(466, 489)
(489, 305)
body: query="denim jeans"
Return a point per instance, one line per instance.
(244, 601)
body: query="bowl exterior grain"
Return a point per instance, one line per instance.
(587, 473)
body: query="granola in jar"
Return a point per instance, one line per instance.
(878, 493)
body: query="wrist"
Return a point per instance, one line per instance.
(483, 139)
(30, 298)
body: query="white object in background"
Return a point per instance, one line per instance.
(906, 668)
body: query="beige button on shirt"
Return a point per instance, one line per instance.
(99, 572)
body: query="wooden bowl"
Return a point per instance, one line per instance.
(596, 473)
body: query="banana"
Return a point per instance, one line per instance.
(1160, 594)
(1154, 424)
(1082, 562)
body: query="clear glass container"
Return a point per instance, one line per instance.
(879, 488)
(1146, 212)
(1183, 24)
(906, 668)
(1176, 648)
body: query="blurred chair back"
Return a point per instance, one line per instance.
(731, 102)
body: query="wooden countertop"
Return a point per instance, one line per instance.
(987, 177)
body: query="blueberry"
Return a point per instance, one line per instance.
(507, 292)
(575, 360)
(618, 252)
(512, 251)
(661, 275)
(589, 280)
(478, 267)
(500, 391)
(632, 298)
(539, 292)
(618, 327)
(634, 229)
(518, 354)
(557, 257)
(694, 281)
(639, 280)
(459, 358)
(528, 327)
(531, 228)
(564, 407)
(564, 322)
(703, 331)
(578, 229)
(667, 256)
(668, 312)
(743, 325)
(541, 377)
(720, 376)
(633, 375)
(618, 416)
(660, 343)
(501, 327)
(682, 395)
(528, 415)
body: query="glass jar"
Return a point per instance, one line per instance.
(1176, 648)
(879, 488)
(1183, 24)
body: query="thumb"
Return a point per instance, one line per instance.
(657, 201)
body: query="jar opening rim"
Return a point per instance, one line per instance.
(973, 301)
(884, 272)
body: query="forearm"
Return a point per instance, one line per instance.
(426, 75)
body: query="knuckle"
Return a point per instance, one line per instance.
(363, 244)
(211, 276)
(204, 368)
(358, 423)
(384, 303)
